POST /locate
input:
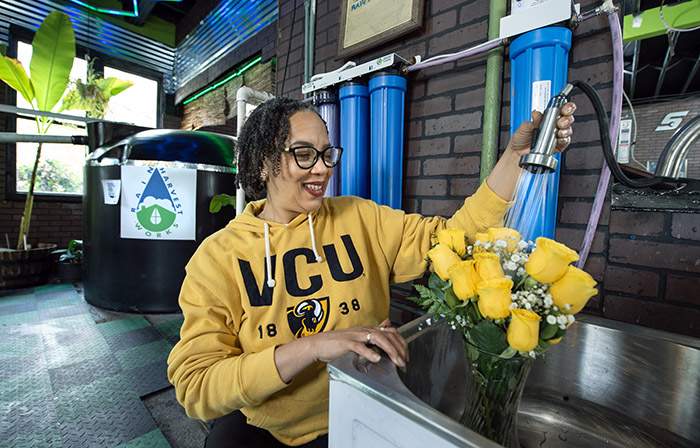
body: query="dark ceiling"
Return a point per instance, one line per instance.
(661, 67)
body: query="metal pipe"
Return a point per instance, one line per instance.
(481, 48)
(676, 150)
(11, 137)
(492, 93)
(41, 113)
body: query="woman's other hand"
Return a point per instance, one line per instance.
(295, 356)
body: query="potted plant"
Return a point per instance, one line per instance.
(70, 262)
(53, 52)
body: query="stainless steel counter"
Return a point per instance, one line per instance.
(606, 384)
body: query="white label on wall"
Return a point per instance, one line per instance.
(541, 94)
(624, 141)
(158, 203)
(111, 189)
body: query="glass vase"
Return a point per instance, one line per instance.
(494, 387)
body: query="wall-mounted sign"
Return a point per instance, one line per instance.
(671, 121)
(367, 23)
(158, 203)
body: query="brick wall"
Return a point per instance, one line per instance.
(647, 264)
(650, 142)
(52, 222)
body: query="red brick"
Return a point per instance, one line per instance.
(464, 187)
(414, 129)
(443, 5)
(636, 223)
(474, 9)
(412, 168)
(594, 74)
(660, 316)
(631, 281)
(410, 205)
(467, 143)
(425, 187)
(451, 166)
(573, 212)
(428, 147)
(595, 266)
(591, 47)
(468, 100)
(454, 81)
(578, 186)
(426, 108)
(453, 123)
(573, 238)
(655, 255)
(683, 289)
(440, 22)
(685, 226)
(583, 158)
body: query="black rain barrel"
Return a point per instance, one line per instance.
(131, 263)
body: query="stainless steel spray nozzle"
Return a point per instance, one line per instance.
(541, 156)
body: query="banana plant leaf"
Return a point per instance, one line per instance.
(113, 86)
(53, 51)
(13, 73)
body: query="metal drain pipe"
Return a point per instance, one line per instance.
(492, 93)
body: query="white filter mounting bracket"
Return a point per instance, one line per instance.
(528, 15)
(328, 79)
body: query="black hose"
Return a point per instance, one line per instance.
(604, 128)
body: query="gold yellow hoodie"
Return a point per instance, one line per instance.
(234, 318)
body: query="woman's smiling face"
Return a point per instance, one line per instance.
(296, 190)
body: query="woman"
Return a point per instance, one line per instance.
(298, 280)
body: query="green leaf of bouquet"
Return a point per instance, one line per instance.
(487, 336)
(508, 353)
(549, 331)
(451, 299)
(435, 282)
(13, 73)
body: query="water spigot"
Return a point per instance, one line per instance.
(541, 156)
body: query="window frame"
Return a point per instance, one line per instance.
(19, 34)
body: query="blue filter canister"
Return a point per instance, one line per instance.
(539, 61)
(387, 98)
(329, 108)
(354, 138)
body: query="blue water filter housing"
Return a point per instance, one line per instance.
(354, 138)
(539, 61)
(329, 108)
(387, 98)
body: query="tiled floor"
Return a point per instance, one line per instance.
(67, 381)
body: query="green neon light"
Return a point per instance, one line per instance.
(220, 83)
(111, 11)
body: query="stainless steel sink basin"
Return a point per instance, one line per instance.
(606, 384)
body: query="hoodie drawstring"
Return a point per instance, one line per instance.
(268, 258)
(313, 240)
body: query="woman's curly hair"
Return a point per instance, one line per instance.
(262, 137)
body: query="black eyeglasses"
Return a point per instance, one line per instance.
(307, 156)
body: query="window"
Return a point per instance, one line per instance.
(61, 168)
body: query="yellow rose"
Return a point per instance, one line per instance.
(524, 330)
(454, 239)
(494, 297)
(575, 287)
(443, 258)
(549, 260)
(510, 236)
(464, 279)
(488, 266)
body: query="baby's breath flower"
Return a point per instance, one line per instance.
(551, 320)
(562, 319)
(531, 354)
(515, 258)
(567, 307)
(571, 318)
